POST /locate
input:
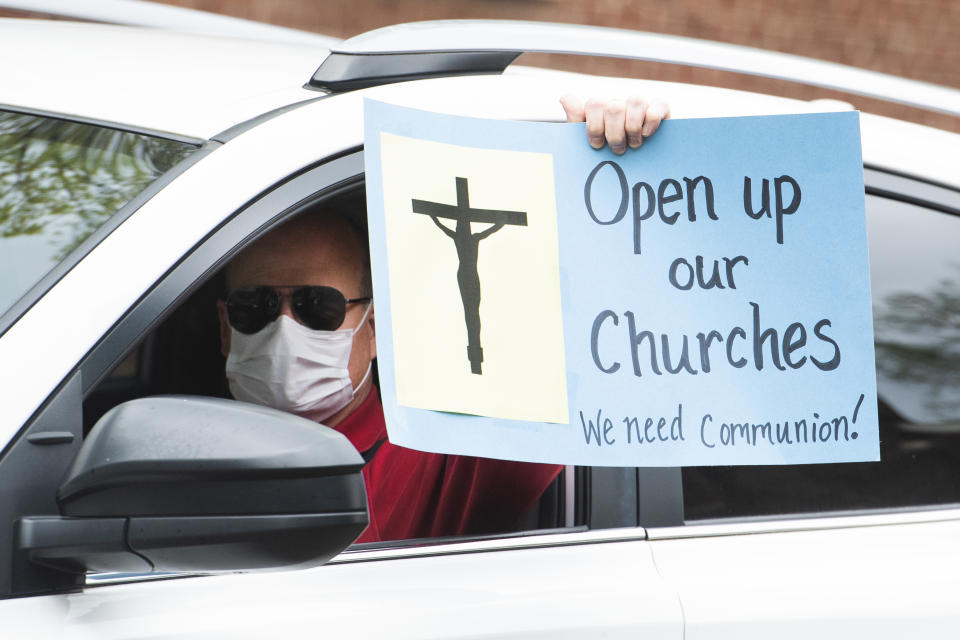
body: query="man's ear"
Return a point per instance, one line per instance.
(224, 328)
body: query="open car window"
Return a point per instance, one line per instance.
(181, 355)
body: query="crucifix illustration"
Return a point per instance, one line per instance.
(467, 243)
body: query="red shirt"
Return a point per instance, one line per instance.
(413, 494)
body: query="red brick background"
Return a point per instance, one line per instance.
(918, 39)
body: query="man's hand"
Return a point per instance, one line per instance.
(618, 123)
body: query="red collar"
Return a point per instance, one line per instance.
(364, 427)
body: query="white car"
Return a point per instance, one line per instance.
(135, 163)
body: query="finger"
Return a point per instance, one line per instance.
(573, 107)
(613, 126)
(593, 111)
(657, 112)
(633, 121)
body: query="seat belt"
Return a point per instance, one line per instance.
(372, 451)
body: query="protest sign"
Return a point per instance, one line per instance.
(704, 300)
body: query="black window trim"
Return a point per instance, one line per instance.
(106, 124)
(911, 189)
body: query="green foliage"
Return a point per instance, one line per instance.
(64, 179)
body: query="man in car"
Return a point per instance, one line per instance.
(298, 331)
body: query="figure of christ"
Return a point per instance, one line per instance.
(467, 245)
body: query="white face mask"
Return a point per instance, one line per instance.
(293, 368)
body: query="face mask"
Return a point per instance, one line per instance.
(293, 368)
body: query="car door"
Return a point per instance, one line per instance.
(566, 583)
(849, 550)
(559, 586)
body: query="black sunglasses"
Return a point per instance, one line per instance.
(323, 308)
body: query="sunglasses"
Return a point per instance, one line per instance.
(322, 308)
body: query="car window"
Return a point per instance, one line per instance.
(915, 282)
(59, 182)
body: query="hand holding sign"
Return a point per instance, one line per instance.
(619, 123)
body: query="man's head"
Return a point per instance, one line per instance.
(318, 249)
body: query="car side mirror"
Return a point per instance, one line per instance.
(181, 483)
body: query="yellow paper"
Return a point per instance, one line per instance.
(523, 367)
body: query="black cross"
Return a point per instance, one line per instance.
(466, 243)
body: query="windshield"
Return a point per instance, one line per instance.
(59, 182)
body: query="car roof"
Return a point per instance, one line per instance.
(189, 85)
(200, 85)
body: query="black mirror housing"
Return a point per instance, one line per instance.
(182, 483)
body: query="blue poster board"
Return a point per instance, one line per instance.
(704, 300)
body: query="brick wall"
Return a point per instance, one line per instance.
(918, 39)
(912, 38)
(915, 38)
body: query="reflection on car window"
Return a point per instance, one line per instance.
(59, 181)
(915, 282)
(916, 302)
